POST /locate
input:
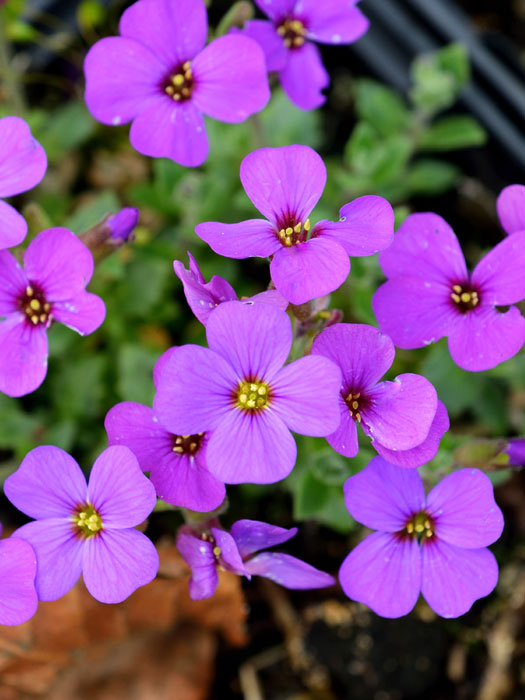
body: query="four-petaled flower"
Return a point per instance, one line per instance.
(18, 598)
(236, 552)
(23, 164)
(430, 294)
(239, 390)
(85, 529)
(287, 41)
(157, 75)
(403, 418)
(511, 208)
(285, 184)
(434, 545)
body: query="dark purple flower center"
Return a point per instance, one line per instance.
(421, 526)
(179, 85)
(252, 395)
(33, 303)
(187, 444)
(355, 402)
(464, 298)
(293, 233)
(293, 33)
(87, 520)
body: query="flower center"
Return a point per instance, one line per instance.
(291, 235)
(352, 401)
(252, 396)
(420, 526)
(293, 33)
(187, 444)
(87, 520)
(465, 299)
(180, 85)
(34, 305)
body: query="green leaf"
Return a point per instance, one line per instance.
(459, 131)
(283, 123)
(135, 368)
(330, 468)
(381, 159)
(66, 129)
(90, 14)
(311, 495)
(92, 212)
(428, 176)
(381, 107)
(453, 60)
(439, 78)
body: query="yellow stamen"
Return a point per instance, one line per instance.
(465, 297)
(177, 80)
(34, 304)
(457, 289)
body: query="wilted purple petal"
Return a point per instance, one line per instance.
(516, 452)
(309, 270)
(48, 484)
(230, 557)
(118, 490)
(18, 598)
(84, 313)
(288, 571)
(511, 208)
(499, 275)
(117, 562)
(12, 283)
(230, 79)
(23, 161)
(464, 511)
(254, 535)
(23, 356)
(383, 572)
(265, 34)
(454, 578)
(344, 439)
(383, 496)
(199, 556)
(332, 21)
(304, 76)
(13, 226)
(255, 237)
(122, 223)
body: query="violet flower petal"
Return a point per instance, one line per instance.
(276, 9)
(499, 275)
(117, 562)
(454, 578)
(511, 208)
(199, 556)
(203, 297)
(464, 511)
(253, 535)
(270, 296)
(13, 226)
(23, 356)
(84, 313)
(13, 283)
(288, 571)
(304, 76)
(230, 557)
(251, 238)
(23, 161)
(48, 484)
(332, 21)
(265, 34)
(344, 439)
(18, 598)
(159, 365)
(383, 496)
(122, 223)
(384, 573)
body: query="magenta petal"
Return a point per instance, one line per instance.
(425, 451)
(254, 339)
(84, 313)
(464, 511)
(159, 365)
(117, 562)
(288, 571)
(499, 275)
(309, 270)
(194, 390)
(483, 338)
(175, 32)
(230, 557)
(344, 439)
(365, 227)
(48, 484)
(362, 352)
(199, 556)
(253, 535)
(230, 79)
(333, 22)
(425, 246)
(59, 555)
(265, 34)
(306, 395)
(270, 296)
(304, 76)
(511, 208)
(383, 496)
(256, 449)
(12, 283)
(23, 161)
(59, 263)
(108, 66)
(284, 183)
(401, 412)
(18, 599)
(203, 297)
(276, 9)
(118, 489)
(255, 237)
(454, 578)
(414, 312)
(23, 356)
(13, 226)
(383, 572)
(168, 129)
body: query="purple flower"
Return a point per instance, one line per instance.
(23, 164)
(122, 223)
(233, 552)
(158, 75)
(203, 297)
(433, 545)
(85, 529)
(516, 452)
(430, 294)
(287, 41)
(285, 184)
(51, 287)
(511, 208)
(177, 463)
(239, 390)
(403, 418)
(18, 598)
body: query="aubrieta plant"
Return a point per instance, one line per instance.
(279, 362)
